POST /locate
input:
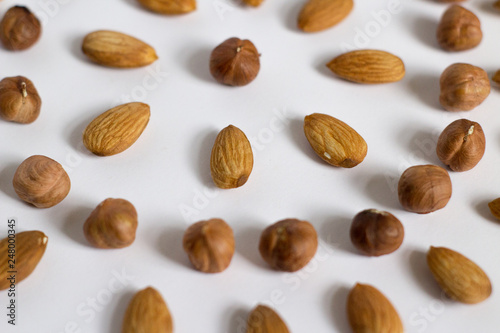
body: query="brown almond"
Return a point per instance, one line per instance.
(253, 3)
(459, 29)
(29, 247)
(263, 319)
(115, 49)
(169, 7)
(116, 129)
(368, 66)
(318, 15)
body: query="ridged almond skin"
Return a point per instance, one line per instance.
(169, 7)
(368, 310)
(231, 161)
(115, 49)
(253, 3)
(458, 276)
(318, 15)
(19, 100)
(19, 29)
(496, 77)
(368, 66)
(41, 181)
(459, 29)
(117, 129)
(30, 247)
(209, 245)
(334, 141)
(495, 208)
(147, 313)
(461, 145)
(263, 319)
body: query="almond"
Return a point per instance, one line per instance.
(368, 310)
(253, 3)
(116, 129)
(169, 7)
(317, 15)
(231, 161)
(263, 319)
(115, 49)
(29, 248)
(368, 66)
(458, 276)
(147, 312)
(334, 141)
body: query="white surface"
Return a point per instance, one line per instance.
(169, 166)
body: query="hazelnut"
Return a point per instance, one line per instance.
(424, 188)
(495, 208)
(41, 181)
(375, 232)
(19, 100)
(235, 62)
(19, 29)
(459, 29)
(288, 245)
(209, 245)
(496, 5)
(461, 145)
(111, 225)
(463, 87)
(496, 77)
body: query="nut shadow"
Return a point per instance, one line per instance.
(292, 11)
(247, 245)
(135, 4)
(119, 311)
(424, 142)
(76, 49)
(425, 29)
(320, 66)
(335, 301)
(336, 233)
(483, 210)
(237, 319)
(422, 275)
(198, 64)
(73, 224)
(296, 132)
(6, 177)
(383, 191)
(75, 135)
(169, 243)
(205, 142)
(426, 87)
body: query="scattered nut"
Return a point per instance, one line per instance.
(463, 87)
(375, 232)
(318, 15)
(19, 29)
(235, 62)
(169, 7)
(263, 319)
(41, 181)
(461, 145)
(495, 208)
(459, 29)
(253, 3)
(496, 77)
(288, 245)
(19, 100)
(209, 245)
(496, 5)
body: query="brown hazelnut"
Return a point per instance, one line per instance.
(19, 29)
(41, 181)
(288, 245)
(111, 225)
(424, 188)
(459, 29)
(463, 87)
(209, 245)
(263, 319)
(461, 145)
(375, 232)
(496, 77)
(496, 5)
(235, 62)
(19, 100)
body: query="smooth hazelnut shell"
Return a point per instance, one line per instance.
(19, 100)
(41, 181)
(459, 29)
(209, 245)
(376, 233)
(424, 188)
(19, 29)
(463, 87)
(461, 145)
(288, 245)
(235, 62)
(111, 225)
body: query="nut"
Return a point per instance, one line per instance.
(263, 319)
(117, 129)
(458, 276)
(41, 181)
(19, 29)
(495, 208)
(496, 5)
(30, 247)
(169, 7)
(209, 245)
(463, 87)
(231, 161)
(496, 77)
(147, 312)
(334, 141)
(318, 15)
(368, 66)
(375, 233)
(368, 310)
(459, 29)
(115, 49)
(111, 225)
(288, 245)
(19, 100)
(461, 145)
(424, 188)
(253, 3)
(235, 62)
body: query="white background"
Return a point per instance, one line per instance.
(167, 169)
